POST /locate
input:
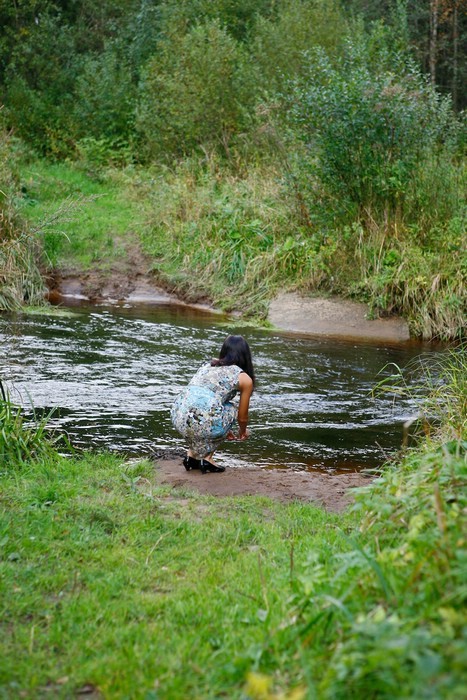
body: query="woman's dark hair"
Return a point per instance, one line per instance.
(236, 351)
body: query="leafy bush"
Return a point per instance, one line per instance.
(383, 180)
(280, 44)
(105, 94)
(39, 85)
(368, 130)
(196, 92)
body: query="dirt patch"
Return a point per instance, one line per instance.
(334, 317)
(332, 491)
(127, 280)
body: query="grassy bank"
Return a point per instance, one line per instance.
(234, 237)
(87, 219)
(110, 581)
(20, 278)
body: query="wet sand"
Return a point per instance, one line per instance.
(335, 318)
(331, 491)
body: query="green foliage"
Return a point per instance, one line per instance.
(233, 240)
(407, 639)
(196, 92)
(280, 44)
(383, 181)
(85, 214)
(239, 17)
(105, 95)
(20, 278)
(21, 442)
(415, 19)
(370, 129)
(38, 97)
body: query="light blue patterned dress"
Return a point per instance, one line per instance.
(204, 413)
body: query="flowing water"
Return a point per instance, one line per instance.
(112, 374)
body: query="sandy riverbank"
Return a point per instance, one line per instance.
(332, 491)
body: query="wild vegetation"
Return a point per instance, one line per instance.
(20, 278)
(247, 147)
(308, 144)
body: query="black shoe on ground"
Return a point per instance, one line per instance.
(191, 463)
(208, 467)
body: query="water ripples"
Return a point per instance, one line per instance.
(112, 376)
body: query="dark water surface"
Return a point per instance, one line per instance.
(113, 373)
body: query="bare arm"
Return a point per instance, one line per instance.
(245, 384)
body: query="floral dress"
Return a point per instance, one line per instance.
(203, 412)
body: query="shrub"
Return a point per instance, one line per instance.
(39, 83)
(368, 130)
(196, 92)
(104, 102)
(279, 44)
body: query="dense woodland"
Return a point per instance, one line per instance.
(332, 134)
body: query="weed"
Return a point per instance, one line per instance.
(21, 441)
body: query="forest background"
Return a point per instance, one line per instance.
(307, 144)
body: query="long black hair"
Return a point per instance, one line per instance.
(236, 351)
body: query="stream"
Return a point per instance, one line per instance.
(111, 375)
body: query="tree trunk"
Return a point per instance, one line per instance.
(455, 52)
(433, 38)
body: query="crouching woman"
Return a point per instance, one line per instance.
(204, 412)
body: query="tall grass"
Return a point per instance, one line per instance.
(387, 618)
(438, 386)
(227, 235)
(20, 440)
(20, 278)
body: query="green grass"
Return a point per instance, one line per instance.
(113, 584)
(111, 581)
(86, 220)
(20, 442)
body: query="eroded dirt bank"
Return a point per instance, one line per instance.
(291, 312)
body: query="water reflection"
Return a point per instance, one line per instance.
(113, 374)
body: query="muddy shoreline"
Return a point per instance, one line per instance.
(289, 312)
(330, 491)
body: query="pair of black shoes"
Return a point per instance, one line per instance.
(203, 464)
